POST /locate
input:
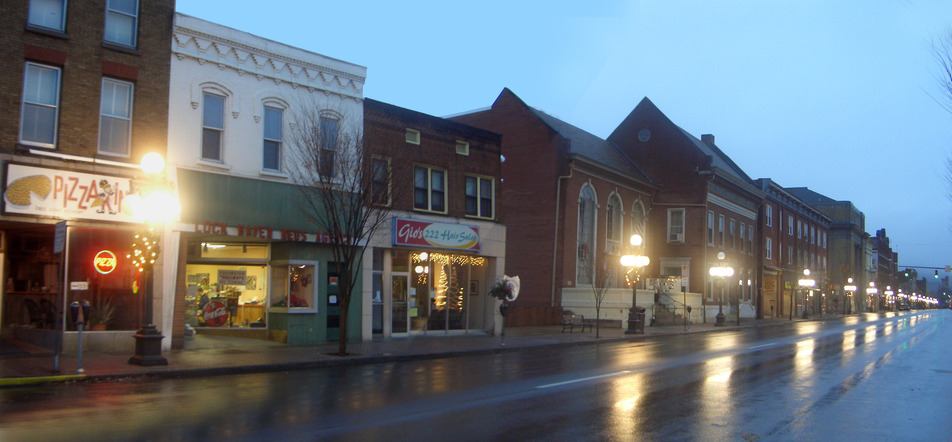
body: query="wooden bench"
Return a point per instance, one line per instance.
(570, 321)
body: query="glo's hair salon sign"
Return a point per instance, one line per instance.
(66, 194)
(410, 232)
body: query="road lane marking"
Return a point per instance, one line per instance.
(761, 346)
(590, 378)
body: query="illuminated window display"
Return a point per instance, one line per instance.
(226, 285)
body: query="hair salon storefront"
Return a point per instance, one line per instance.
(251, 267)
(433, 277)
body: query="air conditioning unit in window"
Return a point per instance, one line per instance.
(675, 237)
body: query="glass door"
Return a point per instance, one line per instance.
(400, 308)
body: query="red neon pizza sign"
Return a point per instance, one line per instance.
(105, 262)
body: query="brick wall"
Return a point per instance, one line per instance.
(84, 60)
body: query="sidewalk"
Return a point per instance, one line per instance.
(36, 366)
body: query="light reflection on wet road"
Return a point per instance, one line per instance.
(862, 377)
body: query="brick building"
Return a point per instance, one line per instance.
(706, 205)
(85, 95)
(571, 201)
(430, 274)
(795, 237)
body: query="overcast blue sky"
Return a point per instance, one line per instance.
(832, 95)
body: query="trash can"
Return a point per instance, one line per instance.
(636, 321)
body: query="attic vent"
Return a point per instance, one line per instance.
(413, 136)
(462, 148)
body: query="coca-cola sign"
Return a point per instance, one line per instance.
(215, 314)
(411, 232)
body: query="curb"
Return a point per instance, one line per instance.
(38, 380)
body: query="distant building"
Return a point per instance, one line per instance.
(706, 204)
(570, 200)
(796, 237)
(847, 247)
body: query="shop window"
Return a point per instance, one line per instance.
(294, 286)
(103, 276)
(225, 295)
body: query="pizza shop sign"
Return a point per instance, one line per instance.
(411, 232)
(66, 194)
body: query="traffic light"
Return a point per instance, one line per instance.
(936, 274)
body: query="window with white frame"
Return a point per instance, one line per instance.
(122, 17)
(273, 138)
(329, 144)
(585, 264)
(799, 229)
(115, 117)
(768, 248)
(812, 235)
(213, 126)
(479, 196)
(462, 148)
(613, 223)
(429, 189)
(40, 109)
(413, 136)
(380, 180)
(710, 228)
(790, 225)
(720, 230)
(676, 225)
(49, 14)
(769, 215)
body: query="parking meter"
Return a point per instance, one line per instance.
(74, 313)
(85, 307)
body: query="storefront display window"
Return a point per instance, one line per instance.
(227, 285)
(98, 272)
(294, 287)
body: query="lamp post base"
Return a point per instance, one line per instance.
(636, 321)
(719, 319)
(148, 348)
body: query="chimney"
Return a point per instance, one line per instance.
(708, 138)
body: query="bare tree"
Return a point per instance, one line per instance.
(344, 191)
(602, 277)
(942, 52)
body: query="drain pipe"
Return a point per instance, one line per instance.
(555, 236)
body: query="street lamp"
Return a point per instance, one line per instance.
(722, 271)
(155, 205)
(870, 292)
(807, 283)
(849, 288)
(635, 262)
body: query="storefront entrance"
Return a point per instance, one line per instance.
(435, 292)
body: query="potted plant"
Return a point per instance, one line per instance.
(101, 313)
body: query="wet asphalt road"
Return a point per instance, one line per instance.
(865, 377)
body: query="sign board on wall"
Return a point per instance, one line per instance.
(68, 194)
(411, 232)
(232, 277)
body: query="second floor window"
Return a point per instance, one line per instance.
(49, 14)
(40, 109)
(330, 129)
(479, 197)
(122, 18)
(429, 189)
(115, 117)
(676, 225)
(769, 216)
(273, 122)
(743, 236)
(380, 182)
(710, 228)
(720, 230)
(213, 126)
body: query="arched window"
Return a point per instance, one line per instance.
(586, 236)
(613, 224)
(638, 219)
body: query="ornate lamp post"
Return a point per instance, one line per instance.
(807, 283)
(849, 288)
(635, 262)
(156, 205)
(872, 293)
(722, 271)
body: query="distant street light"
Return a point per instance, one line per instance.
(807, 283)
